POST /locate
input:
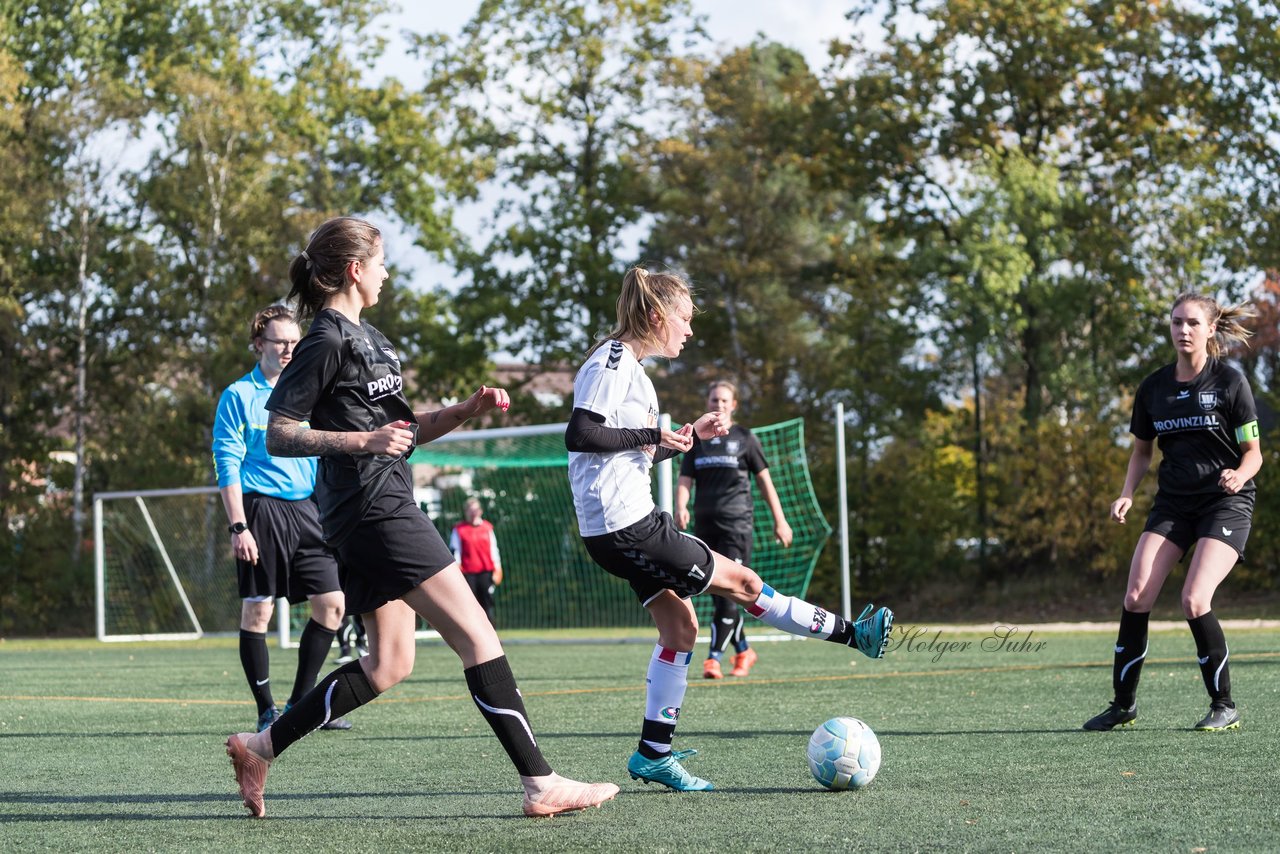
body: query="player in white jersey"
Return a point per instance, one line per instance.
(613, 440)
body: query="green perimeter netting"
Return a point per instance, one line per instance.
(550, 581)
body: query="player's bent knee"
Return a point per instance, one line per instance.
(1139, 601)
(327, 610)
(737, 582)
(681, 637)
(387, 674)
(1196, 606)
(255, 616)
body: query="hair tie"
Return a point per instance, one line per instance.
(307, 258)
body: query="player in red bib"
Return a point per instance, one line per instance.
(475, 546)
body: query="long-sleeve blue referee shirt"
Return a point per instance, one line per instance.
(240, 444)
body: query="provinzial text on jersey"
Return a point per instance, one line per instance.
(716, 462)
(1186, 423)
(385, 386)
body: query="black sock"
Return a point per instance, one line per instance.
(1131, 649)
(342, 691)
(655, 732)
(721, 625)
(313, 646)
(739, 637)
(493, 688)
(843, 632)
(257, 667)
(346, 633)
(1211, 652)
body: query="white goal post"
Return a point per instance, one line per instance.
(163, 569)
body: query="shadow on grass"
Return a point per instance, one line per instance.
(233, 810)
(81, 734)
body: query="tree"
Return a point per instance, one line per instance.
(740, 207)
(255, 123)
(557, 101)
(807, 300)
(1106, 101)
(1056, 168)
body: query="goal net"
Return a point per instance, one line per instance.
(520, 477)
(164, 568)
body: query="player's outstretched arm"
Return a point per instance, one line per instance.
(710, 425)
(435, 423)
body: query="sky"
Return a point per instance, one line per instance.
(804, 25)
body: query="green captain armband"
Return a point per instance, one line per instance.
(1247, 432)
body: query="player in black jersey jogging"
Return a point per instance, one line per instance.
(719, 471)
(614, 439)
(1200, 411)
(345, 380)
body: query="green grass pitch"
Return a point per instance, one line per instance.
(119, 748)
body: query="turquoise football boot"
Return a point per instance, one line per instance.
(668, 771)
(871, 633)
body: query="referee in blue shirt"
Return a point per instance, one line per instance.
(274, 521)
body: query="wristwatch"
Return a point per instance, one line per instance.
(238, 528)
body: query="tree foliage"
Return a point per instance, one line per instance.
(558, 101)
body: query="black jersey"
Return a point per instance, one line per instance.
(345, 377)
(1199, 425)
(722, 468)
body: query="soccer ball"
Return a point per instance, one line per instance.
(844, 754)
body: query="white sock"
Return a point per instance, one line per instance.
(792, 615)
(665, 685)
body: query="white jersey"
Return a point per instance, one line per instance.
(612, 491)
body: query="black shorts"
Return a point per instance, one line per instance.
(392, 550)
(1186, 519)
(734, 544)
(293, 560)
(654, 556)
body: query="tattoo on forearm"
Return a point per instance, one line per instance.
(290, 439)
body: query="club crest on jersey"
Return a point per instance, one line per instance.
(1208, 400)
(732, 447)
(391, 354)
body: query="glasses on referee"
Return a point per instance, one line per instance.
(282, 343)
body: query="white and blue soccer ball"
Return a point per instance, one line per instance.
(844, 754)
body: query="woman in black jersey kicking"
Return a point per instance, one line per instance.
(1200, 411)
(345, 381)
